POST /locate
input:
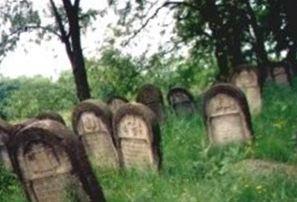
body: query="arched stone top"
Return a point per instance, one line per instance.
(96, 107)
(187, 96)
(246, 76)
(50, 115)
(149, 93)
(236, 97)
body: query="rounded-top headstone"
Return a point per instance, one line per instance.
(52, 164)
(5, 132)
(280, 73)
(115, 102)
(92, 122)
(226, 114)
(137, 135)
(181, 100)
(247, 79)
(51, 116)
(152, 97)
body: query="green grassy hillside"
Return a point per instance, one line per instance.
(194, 171)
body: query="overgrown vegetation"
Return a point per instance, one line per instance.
(194, 171)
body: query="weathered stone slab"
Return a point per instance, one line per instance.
(52, 164)
(92, 122)
(247, 79)
(137, 134)
(5, 132)
(226, 115)
(115, 102)
(181, 100)
(51, 116)
(280, 75)
(152, 97)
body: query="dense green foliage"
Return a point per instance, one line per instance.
(194, 171)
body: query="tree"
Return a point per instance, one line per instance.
(68, 21)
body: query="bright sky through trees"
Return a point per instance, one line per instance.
(49, 58)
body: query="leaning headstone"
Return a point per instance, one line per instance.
(52, 164)
(246, 78)
(226, 115)
(152, 97)
(181, 100)
(137, 135)
(92, 122)
(281, 74)
(51, 116)
(115, 102)
(5, 131)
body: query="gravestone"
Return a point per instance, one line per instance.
(152, 97)
(115, 102)
(92, 122)
(51, 116)
(52, 164)
(281, 74)
(5, 131)
(181, 100)
(226, 114)
(246, 78)
(138, 137)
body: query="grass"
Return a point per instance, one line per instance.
(194, 171)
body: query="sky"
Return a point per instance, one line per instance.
(49, 58)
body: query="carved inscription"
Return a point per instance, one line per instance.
(247, 81)
(135, 142)
(226, 121)
(47, 171)
(280, 75)
(97, 140)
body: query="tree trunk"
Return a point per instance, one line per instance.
(259, 46)
(78, 63)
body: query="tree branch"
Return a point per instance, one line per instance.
(45, 29)
(165, 4)
(76, 4)
(64, 35)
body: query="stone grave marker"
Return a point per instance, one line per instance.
(92, 122)
(51, 116)
(115, 102)
(281, 73)
(246, 78)
(138, 137)
(226, 114)
(152, 97)
(52, 164)
(181, 100)
(5, 132)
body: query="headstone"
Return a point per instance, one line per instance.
(280, 73)
(138, 137)
(52, 164)
(246, 78)
(115, 102)
(51, 116)
(152, 97)
(92, 122)
(226, 115)
(5, 131)
(181, 100)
